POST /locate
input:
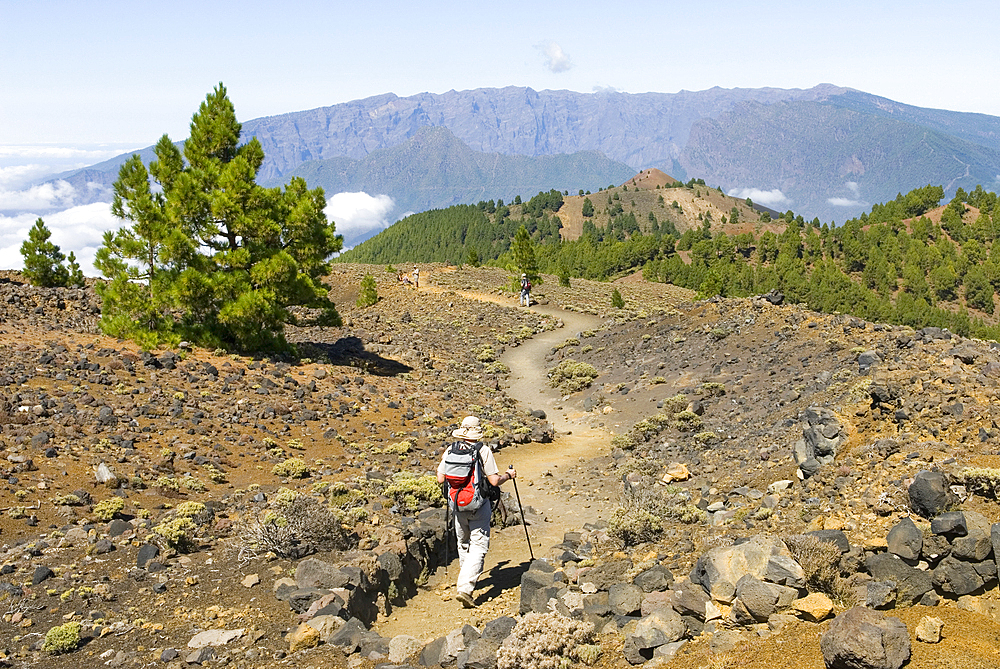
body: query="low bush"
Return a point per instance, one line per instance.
(62, 638)
(411, 492)
(570, 376)
(108, 508)
(177, 533)
(293, 468)
(632, 526)
(547, 641)
(292, 525)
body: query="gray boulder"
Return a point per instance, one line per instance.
(349, 637)
(499, 629)
(951, 524)
(822, 433)
(625, 599)
(911, 583)
(861, 638)
(313, 573)
(762, 599)
(784, 570)
(481, 654)
(977, 544)
(905, 540)
(835, 537)
(955, 577)
(720, 569)
(995, 540)
(689, 600)
(537, 588)
(654, 579)
(929, 494)
(660, 627)
(880, 594)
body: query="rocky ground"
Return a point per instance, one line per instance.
(715, 406)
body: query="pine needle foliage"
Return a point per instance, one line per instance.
(207, 254)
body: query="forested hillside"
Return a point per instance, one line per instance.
(908, 261)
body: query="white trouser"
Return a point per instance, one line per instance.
(472, 531)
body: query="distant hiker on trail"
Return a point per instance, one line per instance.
(403, 279)
(525, 300)
(463, 466)
(416, 277)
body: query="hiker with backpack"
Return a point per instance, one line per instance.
(525, 300)
(472, 481)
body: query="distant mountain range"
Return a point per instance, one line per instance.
(825, 151)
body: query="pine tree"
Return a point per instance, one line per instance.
(75, 273)
(43, 259)
(369, 292)
(212, 256)
(525, 261)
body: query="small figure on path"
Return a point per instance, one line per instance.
(463, 465)
(525, 300)
(416, 277)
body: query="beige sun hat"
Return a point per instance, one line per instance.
(470, 429)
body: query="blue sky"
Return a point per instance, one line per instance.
(83, 80)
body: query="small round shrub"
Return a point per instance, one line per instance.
(293, 468)
(633, 526)
(62, 638)
(410, 491)
(108, 508)
(547, 641)
(570, 376)
(177, 533)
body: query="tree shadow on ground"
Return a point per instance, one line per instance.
(350, 351)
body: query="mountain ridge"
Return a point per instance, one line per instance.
(838, 149)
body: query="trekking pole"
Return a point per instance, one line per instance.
(447, 532)
(521, 509)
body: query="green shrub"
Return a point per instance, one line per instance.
(687, 421)
(616, 300)
(177, 533)
(410, 492)
(633, 526)
(293, 468)
(570, 376)
(707, 437)
(713, 389)
(108, 508)
(66, 500)
(62, 638)
(190, 509)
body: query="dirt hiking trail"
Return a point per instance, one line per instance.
(545, 480)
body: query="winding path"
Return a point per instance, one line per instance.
(543, 473)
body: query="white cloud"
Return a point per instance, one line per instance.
(769, 198)
(843, 202)
(77, 229)
(52, 195)
(556, 60)
(853, 201)
(359, 215)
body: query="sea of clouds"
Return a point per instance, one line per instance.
(30, 189)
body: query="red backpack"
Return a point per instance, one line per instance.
(463, 472)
